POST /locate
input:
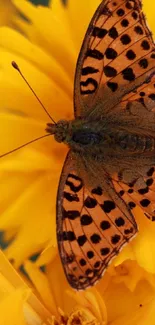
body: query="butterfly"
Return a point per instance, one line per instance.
(110, 166)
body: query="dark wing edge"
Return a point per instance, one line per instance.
(84, 46)
(67, 167)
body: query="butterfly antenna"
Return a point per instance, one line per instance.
(15, 66)
(24, 145)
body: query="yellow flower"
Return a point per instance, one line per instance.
(20, 306)
(6, 12)
(29, 180)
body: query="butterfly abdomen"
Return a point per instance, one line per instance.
(135, 142)
(100, 139)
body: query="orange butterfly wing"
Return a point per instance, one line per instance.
(137, 195)
(91, 228)
(116, 57)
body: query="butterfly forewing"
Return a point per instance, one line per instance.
(91, 229)
(117, 55)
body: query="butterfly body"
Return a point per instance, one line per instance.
(105, 142)
(110, 166)
(102, 135)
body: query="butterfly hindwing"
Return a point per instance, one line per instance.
(117, 56)
(91, 228)
(140, 193)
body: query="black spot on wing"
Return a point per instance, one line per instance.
(105, 251)
(99, 32)
(130, 191)
(97, 191)
(88, 70)
(143, 63)
(81, 240)
(144, 203)
(138, 29)
(150, 171)
(89, 82)
(112, 85)
(134, 15)
(128, 74)
(97, 264)
(95, 238)
(70, 214)
(108, 206)
(110, 53)
(125, 39)
(95, 54)
(86, 220)
(74, 186)
(130, 55)
(152, 96)
(105, 225)
(145, 45)
(71, 197)
(90, 254)
(82, 262)
(121, 193)
(110, 71)
(143, 191)
(119, 222)
(124, 23)
(113, 33)
(129, 5)
(68, 259)
(120, 12)
(90, 203)
(131, 205)
(66, 235)
(128, 231)
(149, 182)
(115, 239)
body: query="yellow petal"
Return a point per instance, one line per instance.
(120, 301)
(149, 8)
(54, 36)
(47, 256)
(144, 314)
(14, 304)
(20, 100)
(16, 130)
(37, 56)
(7, 10)
(131, 274)
(41, 283)
(17, 300)
(28, 159)
(35, 201)
(80, 14)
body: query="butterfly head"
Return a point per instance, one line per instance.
(77, 134)
(59, 130)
